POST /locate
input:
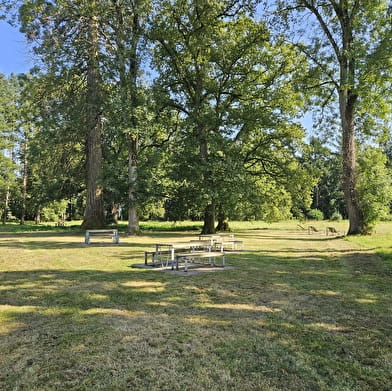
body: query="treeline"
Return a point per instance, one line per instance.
(181, 109)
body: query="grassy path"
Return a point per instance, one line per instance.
(298, 312)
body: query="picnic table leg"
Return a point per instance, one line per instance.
(173, 260)
(87, 238)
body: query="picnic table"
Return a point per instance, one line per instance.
(220, 241)
(165, 253)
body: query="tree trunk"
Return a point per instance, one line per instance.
(347, 101)
(133, 220)
(209, 212)
(115, 212)
(6, 204)
(94, 216)
(351, 196)
(24, 183)
(223, 224)
(128, 66)
(209, 220)
(37, 218)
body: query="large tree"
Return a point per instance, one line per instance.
(125, 43)
(348, 42)
(66, 37)
(229, 83)
(9, 104)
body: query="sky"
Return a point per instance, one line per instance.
(16, 58)
(14, 52)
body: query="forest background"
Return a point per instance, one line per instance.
(192, 110)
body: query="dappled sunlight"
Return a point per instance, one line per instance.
(97, 297)
(9, 315)
(325, 292)
(18, 309)
(316, 273)
(292, 311)
(247, 307)
(328, 327)
(113, 311)
(205, 292)
(206, 321)
(145, 286)
(366, 301)
(161, 304)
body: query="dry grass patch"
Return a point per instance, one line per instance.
(292, 315)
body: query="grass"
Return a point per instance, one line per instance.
(298, 312)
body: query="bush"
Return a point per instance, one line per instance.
(53, 210)
(315, 214)
(336, 216)
(374, 185)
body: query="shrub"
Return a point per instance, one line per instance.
(336, 216)
(315, 214)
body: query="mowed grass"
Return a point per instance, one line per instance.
(297, 312)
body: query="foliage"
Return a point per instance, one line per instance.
(224, 76)
(9, 103)
(54, 211)
(213, 128)
(315, 214)
(374, 185)
(336, 216)
(348, 45)
(325, 164)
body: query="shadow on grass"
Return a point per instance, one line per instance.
(276, 322)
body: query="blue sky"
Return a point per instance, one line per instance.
(14, 52)
(16, 58)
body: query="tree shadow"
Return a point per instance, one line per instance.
(289, 321)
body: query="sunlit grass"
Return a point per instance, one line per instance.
(297, 312)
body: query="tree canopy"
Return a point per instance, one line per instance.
(192, 109)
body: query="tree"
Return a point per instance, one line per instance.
(374, 186)
(326, 164)
(348, 42)
(65, 36)
(9, 98)
(228, 81)
(126, 21)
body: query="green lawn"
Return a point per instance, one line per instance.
(297, 312)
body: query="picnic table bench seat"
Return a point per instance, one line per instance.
(234, 243)
(197, 256)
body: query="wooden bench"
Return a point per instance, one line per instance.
(101, 233)
(197, 255)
